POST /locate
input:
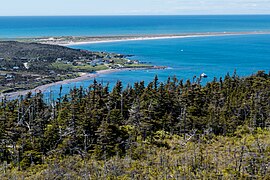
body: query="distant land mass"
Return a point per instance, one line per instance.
(77, 40)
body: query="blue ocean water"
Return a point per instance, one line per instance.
(186, 57)
(191, 56)
(123, 25)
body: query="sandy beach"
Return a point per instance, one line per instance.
(83, 76)
(128, 39)
(70, 41)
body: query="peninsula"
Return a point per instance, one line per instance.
(25, 66)
(78, 40)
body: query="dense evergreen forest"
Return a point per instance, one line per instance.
(160, 130)
(14, 50)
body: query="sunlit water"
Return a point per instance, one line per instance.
(185, 58)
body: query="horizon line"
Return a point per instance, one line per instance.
(134, 15)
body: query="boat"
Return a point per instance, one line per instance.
(203, 75)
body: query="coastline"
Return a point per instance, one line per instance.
(83, 76)
(129, 39)
(43, 88)
(81, 40)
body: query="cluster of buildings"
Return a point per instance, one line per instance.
(113, 61)
(110, 60)
(7, 76)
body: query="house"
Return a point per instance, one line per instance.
(2, 59)
(52, 72)
(26, 65)
(9, 77)
(106, 62)
(108, 56)
(120, 66)
(96, 62)
(92, 64)
(38, 79)
(129, 62)
(15, 68)
(23, 59)
(136, 62)
(79, 63)
(94, 57)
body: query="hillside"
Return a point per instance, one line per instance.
(28, 65)
(148, 131)
(13, 50)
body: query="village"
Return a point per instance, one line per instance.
(27, 69)
(110, 60)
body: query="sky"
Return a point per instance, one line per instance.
(132, 7)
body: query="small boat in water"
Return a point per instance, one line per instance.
(203, 75)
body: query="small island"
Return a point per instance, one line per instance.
(25, 66)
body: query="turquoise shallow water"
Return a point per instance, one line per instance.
(185, 58)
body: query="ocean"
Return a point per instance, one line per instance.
(11, 27)
(185, 58)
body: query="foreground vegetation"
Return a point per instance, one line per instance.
(170, 130)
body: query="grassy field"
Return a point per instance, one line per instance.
(70, 67)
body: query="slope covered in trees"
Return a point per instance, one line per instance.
(157, 130)
(13, 50)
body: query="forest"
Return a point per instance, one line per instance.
(159, 130)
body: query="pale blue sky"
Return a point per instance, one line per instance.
(132, 7)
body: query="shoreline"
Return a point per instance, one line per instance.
(129, 39)
(82, 77)
(81, 40)
(108, 39)
(45, 87)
